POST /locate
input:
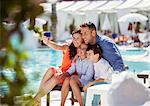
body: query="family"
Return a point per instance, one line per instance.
(87, 61)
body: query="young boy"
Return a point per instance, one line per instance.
(85, 70)
(102, 69)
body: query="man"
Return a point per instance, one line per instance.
(110, 50)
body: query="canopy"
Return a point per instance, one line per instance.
(95, 11)
(103, 5)
(106, 25)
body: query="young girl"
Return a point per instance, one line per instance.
(85, 71)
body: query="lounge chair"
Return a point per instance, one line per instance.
(58, 88)
(128, 91)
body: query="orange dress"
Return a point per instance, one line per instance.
(66, 63)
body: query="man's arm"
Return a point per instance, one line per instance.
(113, 56)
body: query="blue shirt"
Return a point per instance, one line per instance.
(84, 68)
(110, 52)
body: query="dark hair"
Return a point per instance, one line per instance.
(76, 31)
(90, 25)
(96, 49)
(130, 26)
(72, 48)
(137, 29)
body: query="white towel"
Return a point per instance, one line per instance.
(128, 91)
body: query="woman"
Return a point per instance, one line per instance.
(130, 29)
(52, 76)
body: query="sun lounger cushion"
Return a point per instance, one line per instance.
(128, 91)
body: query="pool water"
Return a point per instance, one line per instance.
(133, 52)
(38, 64)
(135, 66)
(40, 60)
(35, 67)
(138, 66)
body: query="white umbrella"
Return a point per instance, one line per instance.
(133, 17)
(106, 25)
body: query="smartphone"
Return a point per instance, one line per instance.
(48, 34)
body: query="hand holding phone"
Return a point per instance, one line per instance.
(48, 34)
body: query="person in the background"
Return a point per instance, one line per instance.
(130, 29)
(135, 38)
(52, 76)
(110, 50)
(138, 28)
(114, 35)
(122, 40)
(85, 71)
(134, 28)
(102, 70)
(109, 33)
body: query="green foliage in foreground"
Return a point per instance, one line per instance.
(11, 51)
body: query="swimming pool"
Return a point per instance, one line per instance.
(40, 60)
(134, 52)
(133, 58)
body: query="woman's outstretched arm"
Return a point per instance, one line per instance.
(53, 44)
